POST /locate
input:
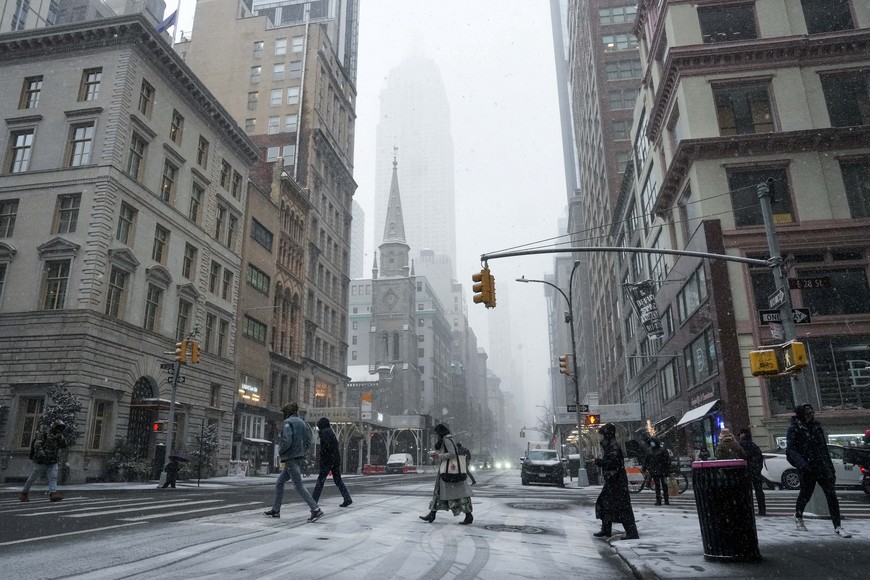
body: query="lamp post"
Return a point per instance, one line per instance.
(582, 479)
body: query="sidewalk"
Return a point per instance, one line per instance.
(670, 546)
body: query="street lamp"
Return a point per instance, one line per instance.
(569, 319)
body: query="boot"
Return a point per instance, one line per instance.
(631, 532)
(430, 517)
(606, 530)
(54, 496)
(468, 519)
(23, 496)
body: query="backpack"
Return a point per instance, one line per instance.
(462, 450)
(33, 448)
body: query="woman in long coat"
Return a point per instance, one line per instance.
(453, 496)
(614, 502)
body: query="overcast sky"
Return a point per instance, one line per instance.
(496, 61)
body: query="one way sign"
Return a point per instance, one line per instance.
(799, 315)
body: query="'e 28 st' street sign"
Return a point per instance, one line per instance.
(799, 315)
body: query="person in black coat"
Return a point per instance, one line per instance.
(614, 502)
(657, 463)
(807, 450)
(330, 460)
(754, 464)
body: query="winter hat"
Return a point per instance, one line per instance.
(801, 411)
(725, 433)
(58, 425)
(608, 430)
(745, 431)
(323, 423)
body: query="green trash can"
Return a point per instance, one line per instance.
(724, 500)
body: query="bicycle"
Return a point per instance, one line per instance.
(638, 486)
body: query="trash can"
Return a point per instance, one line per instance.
(724, 501)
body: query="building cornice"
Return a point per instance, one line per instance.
(834, 48)
(691, 150)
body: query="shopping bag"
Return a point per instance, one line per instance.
(673, 488)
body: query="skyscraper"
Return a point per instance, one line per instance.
(415, 118)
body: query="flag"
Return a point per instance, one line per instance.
(168, 22)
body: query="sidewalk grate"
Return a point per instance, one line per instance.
(516, 529)
(540, 506)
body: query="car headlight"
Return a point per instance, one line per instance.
(472, 468)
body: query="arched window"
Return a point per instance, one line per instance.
(386, 342)
(397, 352)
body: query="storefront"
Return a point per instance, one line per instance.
(702, 425)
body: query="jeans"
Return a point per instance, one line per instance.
(808, 485)
(336, 477)
(39, 469)
(758, 486)
(292, 471)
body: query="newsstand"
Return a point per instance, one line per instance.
(724, 500)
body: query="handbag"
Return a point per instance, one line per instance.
(673, 488)
(454, 470)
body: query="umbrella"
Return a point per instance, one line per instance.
(179, 458)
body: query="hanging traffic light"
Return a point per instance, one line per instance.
(181, 351)
(484, 288)
(194, 352)
(593, 419)
(563, 365)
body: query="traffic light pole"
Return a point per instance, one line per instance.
(170, 431)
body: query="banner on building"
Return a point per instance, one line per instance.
(643, 297)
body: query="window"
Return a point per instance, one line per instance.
(182, 324)
(258, 49)
(296, 43)
(273, 125)
(160, 244)
(256, 73)
(615, 42)
(727, 23)
(232, 229)
(214, 275)
(223, 334)
(258, 279)
(261, 234)
(623, 98)
(81, 140)
(188, 263)
(227, 285)
(255, 330)
(197, 192)
(617, 14)
(176, 127)
(54, 284)
(3, 268)
(236, 189)
(146, 98)
(622, 158)
(743, 184)
(126, 219)
(292, 95)
(226, 171)
(743, 109)
(253, 97)
(20, 148)
(102, 413)
(250, 124)
(115, 295)
(295, 69)
(848, 293)
(856, 181)
(278, 72)
(272, 154)
(280, 46)
(8, 213)
(31, 408)
(152, 307)
(827, 15)
(202, 152)
(288, 154)
(290, 123)
(215, 400)
(90, 86)
(136, 158)
(847, 97)
(220, 222)
(67, 213)
(623, 69)
(167, 182)
(692, 294)
(621, 131)
(700, 358)
(30, 92)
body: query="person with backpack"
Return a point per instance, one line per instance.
(295, 442)
(330, 461)
(657, 463)
(45, 453)
(754, 465)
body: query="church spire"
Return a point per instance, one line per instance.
(394, 225)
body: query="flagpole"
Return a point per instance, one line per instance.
(177, 20)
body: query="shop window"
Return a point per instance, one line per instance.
(743, 184)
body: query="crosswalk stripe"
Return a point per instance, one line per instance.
(125, 503)
(136, 509)
(168, 515)
(42, 538)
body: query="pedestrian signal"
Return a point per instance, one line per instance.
(778, 360)
(593, 420)
(159, 426)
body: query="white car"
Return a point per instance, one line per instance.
(777, 471)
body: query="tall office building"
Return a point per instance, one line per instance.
(415, 118)
(357, 241)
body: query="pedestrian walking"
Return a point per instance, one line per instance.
(728, 448)
(454, 496)
(330, 461)
(171, 470)
(807, 450)
(754, 463)
(614, 501)
(45, 453)
(295, 442)
(657, 464)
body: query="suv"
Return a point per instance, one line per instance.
(397, 463)
(543, 466)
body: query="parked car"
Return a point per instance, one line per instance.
(543, 466)
(777, 471)
(397, 462)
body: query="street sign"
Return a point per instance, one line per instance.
(799, 315)
(776, 299)
(166, 366)
(802, 283)
(573, 408)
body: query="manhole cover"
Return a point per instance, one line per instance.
(538, 506)
(516, 529)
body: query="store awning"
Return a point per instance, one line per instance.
(252, 440)
(697, 413)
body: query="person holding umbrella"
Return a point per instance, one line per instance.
(171, 470)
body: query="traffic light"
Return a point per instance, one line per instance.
(794, 356)
(181, 351)
(778, 360)
(593, 420)
(563, 365)
(159, 426)
(484, 288)
(194, 352)
(763, 362)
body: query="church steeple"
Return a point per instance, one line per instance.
(394, 249)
